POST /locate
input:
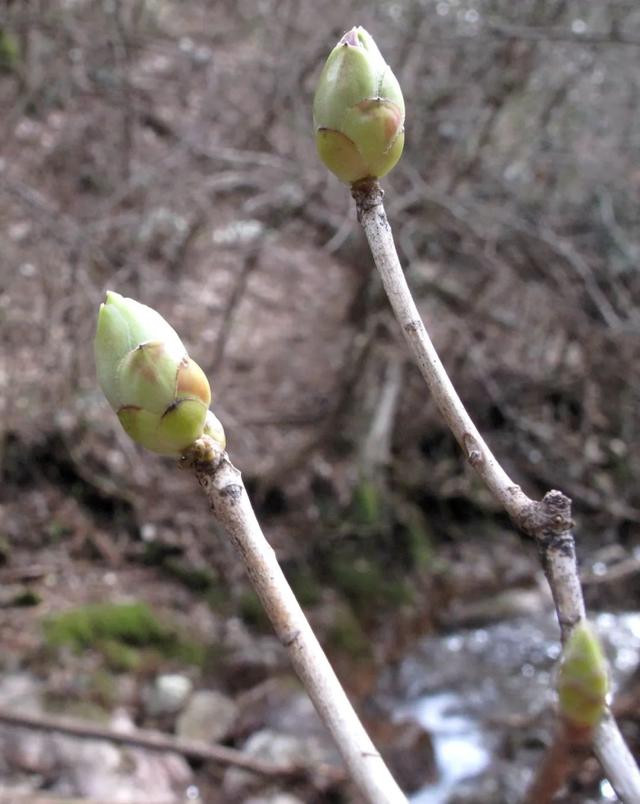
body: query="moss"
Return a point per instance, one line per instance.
(119, 656)
(418, 541)
(10, 55)
(57, 531)
(120, 631)
(189, 652)
(217, 596)
(197, 579)
(367, 503)
(156, 552)
(5, 550)
(368, 584)
(345, 635)
(251, 611)
(25, 598)
(103, 689)
(306, 587)
(169, 557)
(130, 623)
(83, 710)
(92, 697)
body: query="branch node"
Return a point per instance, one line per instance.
(474, 453)
(233, 492)
(548, 521)
(289, 638)
(367, 194)
(204, 456)
(414, 326)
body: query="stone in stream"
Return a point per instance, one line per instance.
(209, 716)
(167, 695)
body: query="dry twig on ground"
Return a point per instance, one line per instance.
(151, 740)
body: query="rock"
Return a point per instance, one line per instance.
(250, 659)
(21, 691)
(282, 706)
(506, 605)
(408, 751)
(167, 695)
(27, 751)
(209, 716)
(277, 748)
(274, 798)
(96, 769)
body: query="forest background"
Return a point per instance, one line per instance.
(165, 150)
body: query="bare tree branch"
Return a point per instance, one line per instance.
(547, 521)
(152, 740)
(229, 501)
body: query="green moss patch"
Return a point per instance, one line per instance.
(346, 635)
(366, 583)
(122, 632)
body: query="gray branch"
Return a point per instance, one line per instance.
(231, 506)
(548, 522)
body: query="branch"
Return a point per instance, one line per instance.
(568, 748)
(149, 739)
(231, 506)
(612, 37)
(547, 522)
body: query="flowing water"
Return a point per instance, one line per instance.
(463, 686)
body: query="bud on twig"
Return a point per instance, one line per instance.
(358, 111)
(161, 396)
(582, 679)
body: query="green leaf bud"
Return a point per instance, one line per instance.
(582, 679)
(160, 395)
(358, 111)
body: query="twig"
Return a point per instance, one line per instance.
(152, 740)
(376, 450)
(249, 264)
(548, 521)
(231, 506)
(618, 572)
(568, 748)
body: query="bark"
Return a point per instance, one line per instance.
(548, 521)
(231, 506)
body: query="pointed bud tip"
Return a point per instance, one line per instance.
(351, 38)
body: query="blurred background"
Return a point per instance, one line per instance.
(165, 150)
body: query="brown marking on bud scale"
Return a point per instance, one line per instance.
(191, 382)
(393, 119)
(150, 352)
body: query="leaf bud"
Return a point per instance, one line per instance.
(582, 679)
(358, 111)
(160, 395)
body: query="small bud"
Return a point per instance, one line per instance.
(358, 111)
(582, 679)
(160, 395)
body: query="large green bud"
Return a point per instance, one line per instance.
(582, 679)
(160, 395)
(358, 111)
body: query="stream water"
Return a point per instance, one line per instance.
(462, 687)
